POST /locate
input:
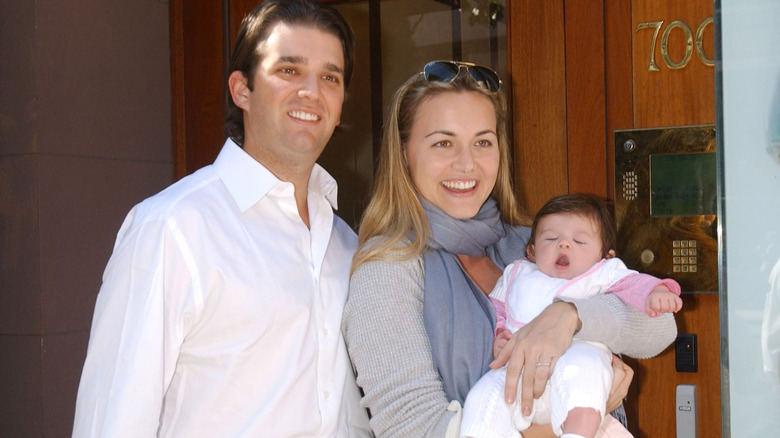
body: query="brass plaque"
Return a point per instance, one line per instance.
(666, 204)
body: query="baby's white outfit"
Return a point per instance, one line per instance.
(582, 377)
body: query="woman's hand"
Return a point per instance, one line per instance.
(621, 380)
(538, 344)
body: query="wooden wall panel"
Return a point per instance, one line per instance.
(537, 67)
(176, 41)
(585, 97)
(620, 115)
(237, 11)
(618, 78)
(197, 84)
(558, 95)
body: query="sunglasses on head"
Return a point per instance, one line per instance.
(447, 71)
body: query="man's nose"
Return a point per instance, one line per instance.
(310, 87)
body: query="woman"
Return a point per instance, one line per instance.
(439, 229)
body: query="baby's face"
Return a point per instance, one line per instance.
(566, 245)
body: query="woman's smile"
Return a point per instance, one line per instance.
(459, 186)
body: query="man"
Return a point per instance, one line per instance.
(220, 310)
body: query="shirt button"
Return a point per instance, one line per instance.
(326, 395)
(325, 332)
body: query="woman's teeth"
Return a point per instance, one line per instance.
(459, 185)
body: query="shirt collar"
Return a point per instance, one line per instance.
(324, 184)
(248, 181)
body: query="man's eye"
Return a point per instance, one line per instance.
(288, 71)
(330, 78)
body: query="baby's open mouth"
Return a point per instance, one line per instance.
(563, 261)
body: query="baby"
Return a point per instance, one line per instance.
(570, 253)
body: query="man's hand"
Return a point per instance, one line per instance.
(538, 344)
(621, 380)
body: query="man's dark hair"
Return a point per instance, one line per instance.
(255, 29)
(581, 204)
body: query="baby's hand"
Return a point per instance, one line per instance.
(661, 300)
(500, 341)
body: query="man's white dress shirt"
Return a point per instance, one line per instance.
(220, 313)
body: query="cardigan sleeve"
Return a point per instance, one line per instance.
(624, 330)
(390, 350)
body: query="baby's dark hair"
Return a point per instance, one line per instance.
(581, 204)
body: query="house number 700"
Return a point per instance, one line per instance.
(689, 47)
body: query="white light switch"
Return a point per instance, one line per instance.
(687, 414)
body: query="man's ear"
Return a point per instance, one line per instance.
(239, 90)
(529, 251)
(610, 254)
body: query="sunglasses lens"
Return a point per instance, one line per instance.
(440, 71)
(447, 71)
(486, 76)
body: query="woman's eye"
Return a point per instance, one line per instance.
(484, 143)
(442, 144)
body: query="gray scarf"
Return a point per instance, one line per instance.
(458, 317)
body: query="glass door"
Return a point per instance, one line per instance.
(748, 104)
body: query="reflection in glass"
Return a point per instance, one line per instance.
(750, 185)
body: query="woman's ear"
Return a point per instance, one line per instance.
(529, 252)
(610, 254)
(239, 90)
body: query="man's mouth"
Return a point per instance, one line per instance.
(302, 115)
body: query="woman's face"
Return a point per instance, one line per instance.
(452, 152)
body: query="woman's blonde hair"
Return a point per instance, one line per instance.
(394, 211)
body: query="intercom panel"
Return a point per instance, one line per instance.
(666, 203)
